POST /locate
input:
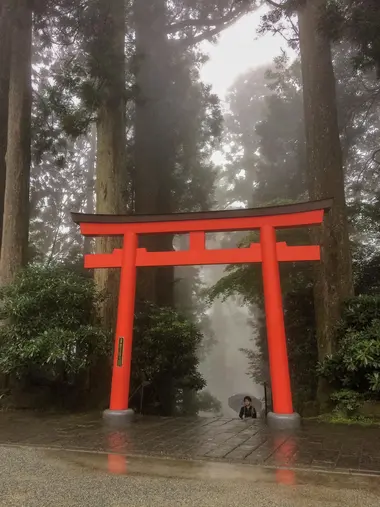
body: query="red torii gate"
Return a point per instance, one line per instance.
(269, 252)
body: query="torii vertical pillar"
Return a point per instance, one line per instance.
(283, 416)
(119, 412)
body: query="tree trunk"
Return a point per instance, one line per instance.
(90, 198)
(333, 278)
(5, 46)
(111, 173)
(155, 147)
(5, 39)
(16, 201)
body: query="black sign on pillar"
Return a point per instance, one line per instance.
(120, 348)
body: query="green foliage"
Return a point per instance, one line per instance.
(347, 409)
(50, 337)
(356, 21)
(69, 86)
(347, 401)
(208, 403)
(264, 135)
(192, 403)
(165, 346)
(49, 330)
(359, 22)
(340, 418)
(355, 366)
(360, 313)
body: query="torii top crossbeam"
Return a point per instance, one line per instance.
(197, 224)
(268, 251)
(286, 215)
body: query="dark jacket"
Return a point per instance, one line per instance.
(247, 412)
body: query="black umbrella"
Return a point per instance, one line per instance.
(237, 400)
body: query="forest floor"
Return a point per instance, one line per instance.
(315, 447)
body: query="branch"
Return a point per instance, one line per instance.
(187, 23)
(374, 156)
(236, 10)
(275, 4)
(295, 28)
(192, 41)
(289, 6)
(286, 5)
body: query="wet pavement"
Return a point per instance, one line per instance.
(36, 477)
(316, 447)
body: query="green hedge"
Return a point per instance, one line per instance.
(354, 369)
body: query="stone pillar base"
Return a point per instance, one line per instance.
(284, 421)
(118, 417)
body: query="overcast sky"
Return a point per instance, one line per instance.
(238, 50)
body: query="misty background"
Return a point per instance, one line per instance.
(225, 367)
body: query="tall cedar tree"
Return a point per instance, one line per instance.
(111, 174)
(16, 200)
(155, 145)
(5, 39)
(325, 176)
(324, 167)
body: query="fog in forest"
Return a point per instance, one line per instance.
(225, 367)
(229, 327)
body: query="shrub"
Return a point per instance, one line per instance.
(206, 402)
(191, 403)
(165, 354)
(347, 402)
(49, 333)
(50, 337)
(355, 367)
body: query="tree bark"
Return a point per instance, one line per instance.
(5, 46)
(16, 201)
(325, 174)
(111, 173)
(90, 196)
(155, 147)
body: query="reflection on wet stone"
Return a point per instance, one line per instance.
(315, 446)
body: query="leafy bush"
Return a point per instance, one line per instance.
(193, 403)
(206, 402)
(49, 333)
(165, 354)
(354, 370)
(347, 402)
(50, 337)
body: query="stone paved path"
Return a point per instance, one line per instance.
(315, 446)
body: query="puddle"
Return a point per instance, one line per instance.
(117, 464)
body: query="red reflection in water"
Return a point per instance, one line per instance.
(286, 477)
(117, 443)
(117, 464)
(285, 455)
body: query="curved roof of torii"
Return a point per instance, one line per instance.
(284, 209)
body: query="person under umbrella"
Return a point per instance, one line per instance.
(247, 411)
